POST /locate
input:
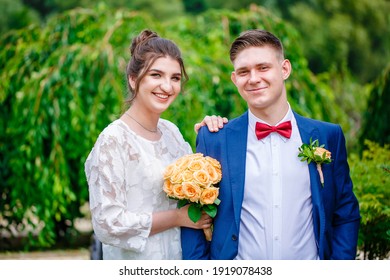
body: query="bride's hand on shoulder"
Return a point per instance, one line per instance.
(214, 123)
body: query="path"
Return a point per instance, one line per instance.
(74, 254)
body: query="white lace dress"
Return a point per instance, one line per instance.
(124, 173)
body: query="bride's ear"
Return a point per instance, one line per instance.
(131, 82)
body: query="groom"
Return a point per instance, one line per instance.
(273, 205)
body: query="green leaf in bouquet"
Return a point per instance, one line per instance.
(181, 203)
(210, 209)
(194, 212)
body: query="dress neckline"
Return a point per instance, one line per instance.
(141, 137)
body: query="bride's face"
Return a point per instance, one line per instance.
(160, 86)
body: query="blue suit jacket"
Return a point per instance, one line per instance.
(336, 215)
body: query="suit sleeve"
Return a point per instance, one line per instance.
(194, 245)
(346, 217)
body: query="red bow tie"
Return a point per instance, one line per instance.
(263, 130)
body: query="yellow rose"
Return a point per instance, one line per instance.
(168, 171)
(183, 162)
(209, 195)
(196, 164)
(196, 156)
(191, 191)
(168, 188)
(215, 175)
(203, 178)
(178, 191)
(176, 177)
(187, 176)
(213, 162)
(320, 151)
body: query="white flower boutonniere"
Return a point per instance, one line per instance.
(316, 153)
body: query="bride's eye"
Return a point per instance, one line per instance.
(155, 75)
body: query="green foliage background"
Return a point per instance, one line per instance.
(376, 125)
(63, 82)
(371, 177)
(337, 34)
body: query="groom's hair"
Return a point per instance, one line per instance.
(255, 38)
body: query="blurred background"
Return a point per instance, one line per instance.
(62, 81)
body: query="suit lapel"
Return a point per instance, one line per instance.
(308, 131)
(236, 139)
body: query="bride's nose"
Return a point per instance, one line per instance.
(166, 86)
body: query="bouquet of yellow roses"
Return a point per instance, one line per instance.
(192, 179)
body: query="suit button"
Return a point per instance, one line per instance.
(234, 237)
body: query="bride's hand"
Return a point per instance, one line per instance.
(205, 220)
(213, 123)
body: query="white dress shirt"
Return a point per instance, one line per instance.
(276, 217)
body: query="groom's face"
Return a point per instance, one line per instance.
(259, 74)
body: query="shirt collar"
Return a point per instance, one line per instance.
(252, 119)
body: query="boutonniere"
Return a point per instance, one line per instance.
(316, 153)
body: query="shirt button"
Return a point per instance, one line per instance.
(276, 237)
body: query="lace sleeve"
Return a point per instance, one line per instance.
(113, 223)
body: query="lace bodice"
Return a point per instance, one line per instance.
(124, 173)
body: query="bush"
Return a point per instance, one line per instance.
(378, 112)
(371, 177)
